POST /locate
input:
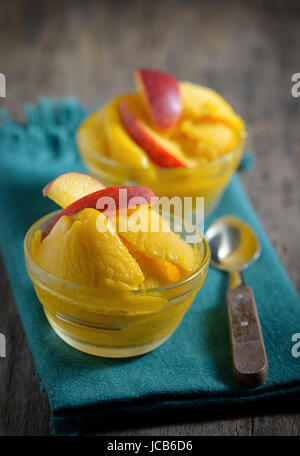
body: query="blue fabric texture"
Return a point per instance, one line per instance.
(189, 376)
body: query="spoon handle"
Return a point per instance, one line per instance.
(249, 358)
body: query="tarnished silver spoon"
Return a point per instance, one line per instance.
(234, 246)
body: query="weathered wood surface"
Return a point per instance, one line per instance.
(246, 50)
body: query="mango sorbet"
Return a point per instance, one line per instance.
(117, 285)
(76, 251)
(195, 156)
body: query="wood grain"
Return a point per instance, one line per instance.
(247, 51)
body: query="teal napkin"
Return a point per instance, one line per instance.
(187, 377)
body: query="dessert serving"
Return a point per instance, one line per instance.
(176, 138)
(113, 283)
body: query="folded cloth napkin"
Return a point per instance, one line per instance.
(187, 377)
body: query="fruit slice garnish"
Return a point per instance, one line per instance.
(69, 187)
(162, 151)
(163, 97)
(121, 146)
(122, 196)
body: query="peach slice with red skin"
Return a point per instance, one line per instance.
(69, 187)
(133, 196)
(147, 139)
(163, 96)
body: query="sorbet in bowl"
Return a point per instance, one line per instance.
(177, 138)
(106, 290)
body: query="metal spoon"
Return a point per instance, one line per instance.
(234, 246)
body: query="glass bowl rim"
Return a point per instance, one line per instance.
(115, 164)
(28, 256)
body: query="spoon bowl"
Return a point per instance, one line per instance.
(233, 243)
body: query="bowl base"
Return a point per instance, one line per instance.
(106, 352)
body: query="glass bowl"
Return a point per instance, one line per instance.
(115, 323)
(208, 180)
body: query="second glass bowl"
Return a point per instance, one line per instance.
(208, 180)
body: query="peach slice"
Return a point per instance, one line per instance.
(69, 187)
(162, 95)
(158, 149)
(121, 146)
(123, 196)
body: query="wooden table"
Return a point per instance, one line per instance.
(89, 49)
